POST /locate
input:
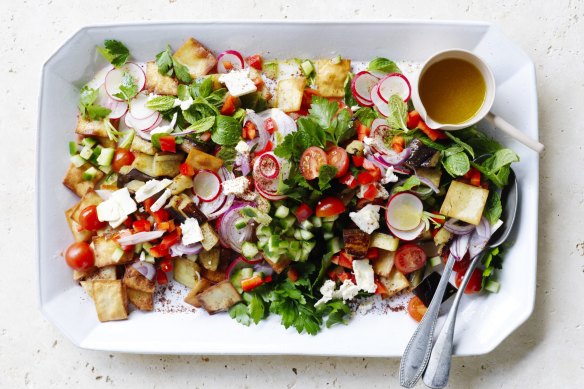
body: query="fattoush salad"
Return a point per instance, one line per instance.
(293, 187)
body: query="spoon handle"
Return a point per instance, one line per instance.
(512, 131)
(438, 371)
(417, 352)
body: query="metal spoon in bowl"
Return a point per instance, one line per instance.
(438, 370)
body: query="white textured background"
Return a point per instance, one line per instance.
(546, 352)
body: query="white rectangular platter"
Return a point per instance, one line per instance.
(484, 321)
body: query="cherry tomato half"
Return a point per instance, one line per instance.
(311, 161)
(329, 206)
(410, 257)
(79, 256)
(88, 219)
(337, 157)
(122, 157)
(303, 212)
(416, 308)
(474, 284)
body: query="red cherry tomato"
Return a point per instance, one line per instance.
(462, 265)
(358, 160)
(416, 308)
(410, 257)
(474, 284)
(166, 265)
(255, 61)
(338, 157)
(329, 206)
(79, 256)
(311, 161)
(161, 278)
(303, 212)
(365, 178)
(122, 157)
(88, 219)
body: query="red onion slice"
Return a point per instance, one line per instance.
(452, 225)
(459, 247)
(180, 249)
(146, 269)
(428, 183)
(229, 234)
(237, 264)
(479, 238)
(140, 237)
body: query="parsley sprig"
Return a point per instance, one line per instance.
(115, 52)
(87, 105)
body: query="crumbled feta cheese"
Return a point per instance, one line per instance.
(166, 129)
(150, 188)
(347, 291)
(327, 290)
(355, 108)
(364, 275)
(382, 193)
(368, 141)
(116, 209)
(367, 219)
(237, 186)
(191, 231)
(389, 176)
(238, 82)
(159, 203)
(183, 104)
(242, 147)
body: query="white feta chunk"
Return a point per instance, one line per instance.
(382, 193)
(242, 147)
(368, 141)
(364, 275)
(191, 231)
(367, 219)
(159, 203)
(347, 291)
(150, 188)
(389, 176)
(116, 209)
(124, 200)
(238, 82)
(327, 290)
(237, 186)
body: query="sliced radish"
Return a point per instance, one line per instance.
(269, 196)
(138, 107)
(207, 185)
(408, 234)
(210, 207)
(394, 84)
(118, 108)
(377, 123)
(362, 84)
(143, 124)
(268, 166)
(99, 77)
(404, 211)
(114, 78)
(363, 103)
(268, 187)
(381, 105)
(229, 57)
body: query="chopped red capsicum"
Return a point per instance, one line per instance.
(251, 283)
(167, 143)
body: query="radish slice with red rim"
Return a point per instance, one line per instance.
(268, 166)
(363, 103)
(138, 107)
(404, 211)
(285, 125)
(268, 187)
(143, 124)
(362, 84)
(115, 77)
(118, 108)
(381, 105)
(230, 56)
(99, 78)
(376, 123)
(207, 185)
(394, 84)
(408, 235)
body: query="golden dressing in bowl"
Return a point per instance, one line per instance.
(452, 91)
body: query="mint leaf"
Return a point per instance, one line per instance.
(227, 132)
(227, 154)
(383, 65)
(398, 117)
(202, 87)
(456, 164)
(201, 125)
(87, 96)
(497, 167)
(325, 175)
(408, 184)
(493, 208)
(161, 103)
(164, 62)
(462, 144)
(115, 52)
(181, 71)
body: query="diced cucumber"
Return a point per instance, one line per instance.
(77, 160)
(306, 235)
(306, 225)
(106, 169)
(138, 248)
(493, 286)
(307, 67)
(294, 248)
(289, 232)
(435, 261)
(257, 274)
(316, 221)
(416, 277)
(271, 69)
(72, 148)
(86, 152)
(146, 246)
(287, 222)
(249, 212)
(298, 234)
(334, 245)
(307, 247)
(274, 244)
(117, 254)
(149, 259)
(257, 215)
(240, 223)
(94, 155)
(274, 257)
(282, 211)
(235, 280)
(330, 218)
(263, 230)
(249, 249)
(246, 272)
(283, 244)
(328, 235)
(328, 226)
(110, 179)
(89, 174)
(105, 157)
(88, 142)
